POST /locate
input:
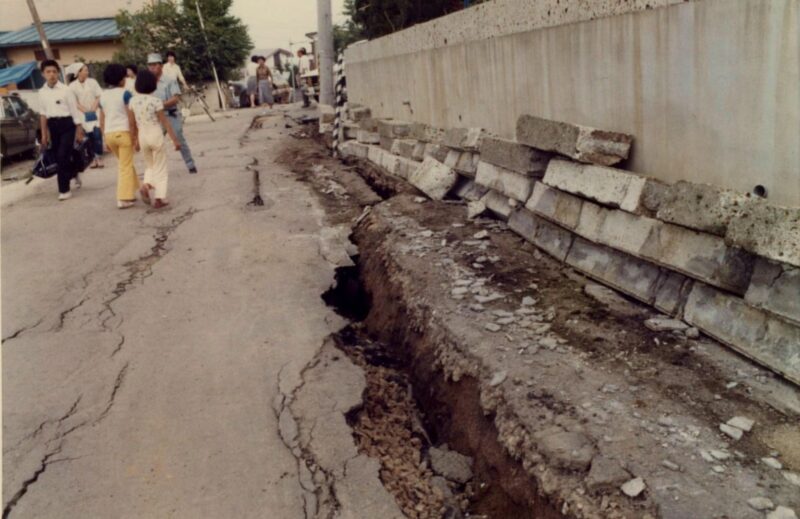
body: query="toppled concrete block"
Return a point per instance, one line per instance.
(769, 340)
(350, 130)
(498, 204)
(365, 137)
(419, 151)
(557, 206)
(393, 129)
(386, 143)
(405, 167)
(467, 189)
(775, 287)
(433, 178)
(672, 292)
(465, 162)
(607, 186)
(425, 133)
(359, 113)
(368, 124)
(767, 230)
(549, 237)
(375, 155)
(578, 142)
(353, 149)
(437, 151)
(467, 139)
(700, 206)
(516, 186)
(514, 156)
(621, 271)
(404, 147)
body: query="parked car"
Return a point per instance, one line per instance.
(19, 126)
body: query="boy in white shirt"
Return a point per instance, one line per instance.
(115, 123)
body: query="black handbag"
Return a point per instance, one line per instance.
(46, 165)
(82, 155)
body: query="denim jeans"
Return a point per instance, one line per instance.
(177, 125)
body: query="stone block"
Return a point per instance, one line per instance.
(516, 186)
(405, 167)
(404, 147)
(700, 206)
(425, 133)
(375, 155)
(327, 114)
(350, 130)
(549, 237)
(581, 143)
(607, 186)
(368, 124)
(365, 137)
(514, 156)
(498, 204)
(433, 178)
(389, 163)
(616, 269)
(767, 230)
(467, 139)
(464, 162)
(436, 151)
(419, 151)
(360, 113)
(557, 206)
(353, 149)
(769, 340)
(672, 291)
(775, 287)
(386, 143)
(393, 129)
(467, 189)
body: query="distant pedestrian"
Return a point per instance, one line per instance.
(60, 124)
(115, 123)
(173, 70)
(87, 90)
(169, 92)
(304, 67)
(150, 123)
(252, 80)
(130, 78)
(264, 77)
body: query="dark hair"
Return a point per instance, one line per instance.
(49, 63)
(259, 58)
(303, 50)
(114, 74)
(146, 82)
(132, 67)
(170, 53)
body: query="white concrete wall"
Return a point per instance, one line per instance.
(709, 89)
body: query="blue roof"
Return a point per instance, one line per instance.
(17, 73)
(98, 29)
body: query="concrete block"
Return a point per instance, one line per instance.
(608, 186)
(419, 151)
(775, 287)
(551, 238)
(388, 162)
(393, 129)
(498, 204)
(672, 291)
(351, 130)
(436, 151)
(365, 137)
(516, 186)
(464, 162)
(404, 147)
(387, 143)
(369, 124)
(405, 167)
(425, 133)
(768, 340)
(360, 113)
(467, 139)
(467, 189)
(514, 156)
(616, 269)
(578, 142)
(557, 206)
(433, 178)
(327, 114)
(353, 149)
(700, 206)
(767, 230)
(375, 155)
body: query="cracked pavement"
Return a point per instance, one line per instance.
(142, 350)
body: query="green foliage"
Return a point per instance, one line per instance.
(172, 25)
(380, 17)
(348, 32)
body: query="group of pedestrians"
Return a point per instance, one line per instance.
(134, 113)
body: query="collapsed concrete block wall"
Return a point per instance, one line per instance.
(709, 88)
(727, 263)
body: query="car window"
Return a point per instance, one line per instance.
(19, 105)
(8, 113)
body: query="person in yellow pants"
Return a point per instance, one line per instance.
(115, 123)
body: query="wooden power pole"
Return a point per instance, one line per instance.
(48, 52)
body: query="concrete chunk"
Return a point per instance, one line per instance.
(511, 184)
(700, 206)
(514, 156)
(393, 129)
(433, 178)
(672, 292)
(404, 147)
(578, 142)
(467, 189)
(549, 237)
(467, 139)
(405, 167)
(775, 287)
(353, 149)
(498, 204)
(425, 133)
(369, 124)
(360, 113)
(436, 151)
(768, 340)
(607, 186)
(767, 230)
(365, 137)
(557, 206)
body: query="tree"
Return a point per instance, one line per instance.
(172, 25)
(377, 18)
(348, 32)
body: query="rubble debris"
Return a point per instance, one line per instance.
(782, 512)
(450, 465)
(760, 503)
(742, 422)
(633, 487)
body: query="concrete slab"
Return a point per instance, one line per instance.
(467, 139)
(404, 147)
(672, 292)
(433, 178)
(353, 149)
(360, 113)
(557, 206)
(757, 334)
(767, 230)
(366, 137)
(514, 156)
(516, 186)
(775, 287)
(393, 128)
(467, 189)
(550, 238)
(700, 206)
(498, 204)
(578, 142)
(425, 132)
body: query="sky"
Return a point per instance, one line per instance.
(273, 23)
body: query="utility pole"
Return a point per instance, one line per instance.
(48, 52)
(222, 99)
(326, 57)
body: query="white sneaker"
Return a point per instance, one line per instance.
(78, 183)
(124, 204)
(64, 196)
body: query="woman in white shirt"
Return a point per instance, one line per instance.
(88, 91)
(130, 78)
(173, 70)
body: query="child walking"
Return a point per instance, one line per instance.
(115, 124)
(150, 121)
